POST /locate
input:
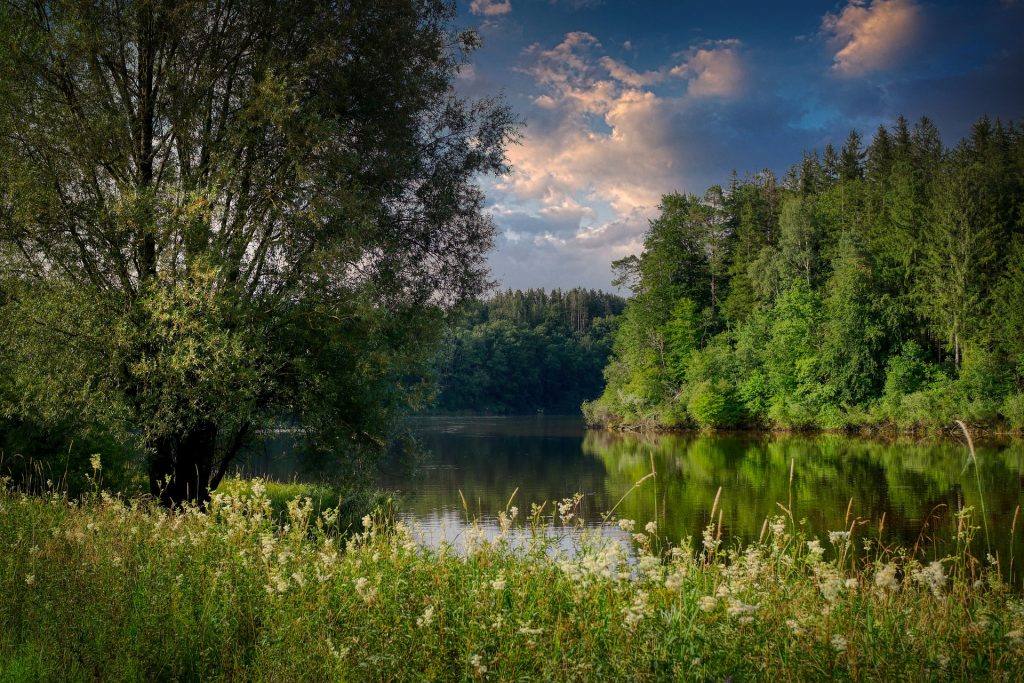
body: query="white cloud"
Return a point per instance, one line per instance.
(627, 75)
(601, 151)
(609, 136)
(714, 71)
(869, 36)
(490, 8)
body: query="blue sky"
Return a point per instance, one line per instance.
(627, 100)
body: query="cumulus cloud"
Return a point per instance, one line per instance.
(604, 144)
(869, 36)
(607, 139)
(490, 8)
(625, 74)
(608, 136)
(714, 71)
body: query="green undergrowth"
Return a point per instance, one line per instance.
(348, 506)
(105, 588)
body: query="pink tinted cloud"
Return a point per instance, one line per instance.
(490, 8)
(869, 36)
(715, 70)
(594, 168)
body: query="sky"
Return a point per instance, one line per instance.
(624, 101)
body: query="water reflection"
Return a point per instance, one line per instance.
(475, 465)
(834, 478)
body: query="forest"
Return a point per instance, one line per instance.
(528, 351)
(875, 286)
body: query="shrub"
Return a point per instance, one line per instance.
(713, 405)
(1013, 410)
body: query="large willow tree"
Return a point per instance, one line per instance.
(216, 214)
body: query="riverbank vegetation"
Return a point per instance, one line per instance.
(876, 287)
(108, 588)
(527, 352)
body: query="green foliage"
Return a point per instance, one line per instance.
(1013, 410)
(907, 370)
(213, 220)
(133, 592)
(870, 290)
(528, 351)
(713, 405)
(681, 337)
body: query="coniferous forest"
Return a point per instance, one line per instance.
(528, 351)
(877, 285)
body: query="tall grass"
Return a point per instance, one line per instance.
(105, 588)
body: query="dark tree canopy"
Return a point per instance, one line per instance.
(216, 214)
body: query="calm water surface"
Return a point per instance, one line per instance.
(915, 486)
(912, 488)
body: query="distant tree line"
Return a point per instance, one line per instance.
(877, 286)
(528, 351)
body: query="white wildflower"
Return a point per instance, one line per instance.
(526, 630)
(649, 566)
(427, 618)
(568, 507)
(651, 528)
(708, 538)
(674, 581)
(30, 579)
(839, 538)
(933, 576)
(498, 583)
(95, 462)
(364, 591)
(635, 612)
(814, 551)
(830, 583)
(708, 603)
(505, 519)
(738, 608)
(477, 663)
(839, 643)
(627, 525)
(885, 578)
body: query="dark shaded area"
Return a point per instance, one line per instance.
(528, 351)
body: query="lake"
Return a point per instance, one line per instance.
(913, 487)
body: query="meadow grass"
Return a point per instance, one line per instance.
(104, 588)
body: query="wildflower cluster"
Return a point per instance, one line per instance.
(235, 590)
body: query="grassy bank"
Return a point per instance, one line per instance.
(111, 589)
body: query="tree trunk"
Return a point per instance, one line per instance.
(181, 468)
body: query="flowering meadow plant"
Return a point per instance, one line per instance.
(114, 589)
